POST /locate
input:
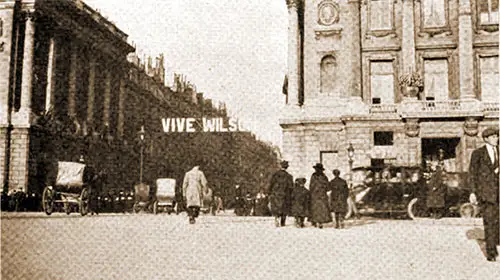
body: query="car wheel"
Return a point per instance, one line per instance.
(412, 208)
(468, 210)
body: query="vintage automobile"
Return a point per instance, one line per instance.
(401, 191)
(457, 199)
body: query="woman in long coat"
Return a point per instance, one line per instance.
(320, 212)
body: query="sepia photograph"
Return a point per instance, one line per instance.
(249, 139)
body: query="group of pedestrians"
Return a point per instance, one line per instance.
(293, 198)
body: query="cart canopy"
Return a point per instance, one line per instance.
(70, 174)
(165, 188)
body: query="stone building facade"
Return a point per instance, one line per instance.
(72, 86)
(347, 60)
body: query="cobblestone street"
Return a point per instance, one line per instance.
(145, 246)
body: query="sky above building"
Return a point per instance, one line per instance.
(234, 51)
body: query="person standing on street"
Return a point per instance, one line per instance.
(339, 195)
(436, 193)
(483, 172)
(193, 188)
(319, 212)
(300, 202)
(280, 191)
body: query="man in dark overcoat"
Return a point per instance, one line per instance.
(319, 211)
(483, 172)
(280, 192)
(436, 192)
(339, 194)
(300, 202)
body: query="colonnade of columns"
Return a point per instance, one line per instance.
(22, 118)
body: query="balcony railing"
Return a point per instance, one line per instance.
(445, 108)
(490, 107)
(383, 109)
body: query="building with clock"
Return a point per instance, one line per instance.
(395, 80)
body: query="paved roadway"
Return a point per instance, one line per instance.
(145, 246)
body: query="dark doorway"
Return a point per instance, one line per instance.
(431, 147)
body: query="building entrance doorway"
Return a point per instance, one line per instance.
(450, 149)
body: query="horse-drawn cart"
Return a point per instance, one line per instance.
(72, 186)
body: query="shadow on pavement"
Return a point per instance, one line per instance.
(478, 235)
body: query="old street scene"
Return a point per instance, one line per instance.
(233, 139)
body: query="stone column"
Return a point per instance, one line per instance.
(91, 90)
(354, 30)
(293, 52)
(107, 96)
(51, 75)
(22, 117)
(465, 50)
(19, 142)
(72, 81)
(408, 43)
(121, 106)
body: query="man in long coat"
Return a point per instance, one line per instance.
(436, 193)
(280, 191)
(483, 172)
(300, 202)
(319, 212)
(339, 194)
(193, 188)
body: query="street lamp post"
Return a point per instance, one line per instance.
(142, 133)
(350, 155)
(351, 200)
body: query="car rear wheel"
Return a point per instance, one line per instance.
(415, 209)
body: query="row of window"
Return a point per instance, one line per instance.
(434, 13)
(383, 79)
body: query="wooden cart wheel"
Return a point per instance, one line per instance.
(155, 207)
(48, 200)
(84, 201)
(67, 207)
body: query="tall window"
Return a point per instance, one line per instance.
(328, 64)
(381, 14)
(382, 82)
(436, 79)
(434, 13)
(489, 78)
(488, 11)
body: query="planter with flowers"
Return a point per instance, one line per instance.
(411, 84)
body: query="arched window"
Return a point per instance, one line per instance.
(328, 65)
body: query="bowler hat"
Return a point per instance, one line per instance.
(284, 164)
(319, 166)
(492, 130)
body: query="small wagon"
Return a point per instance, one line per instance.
(142, 198)
(72, 186)
(165, 195)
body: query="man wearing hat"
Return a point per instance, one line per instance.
(483, 172)
(280, 192)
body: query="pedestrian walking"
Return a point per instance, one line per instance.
(280, 191)
(300, 202)
(483, 172)
(339, 195)
(319, 211)
(193, 187)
